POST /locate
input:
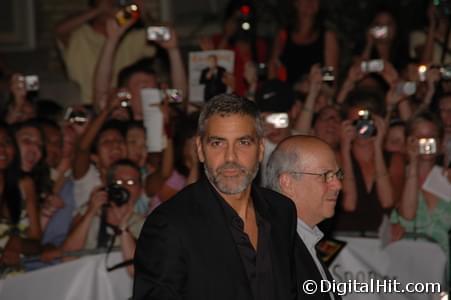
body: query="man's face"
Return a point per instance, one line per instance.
(130, 179)
(314, 198)
(54, 146)
(212, 61)
(30, 145)
(274, 135)
(110, 148)
(231, 152)
(136, 145)
(136, 83)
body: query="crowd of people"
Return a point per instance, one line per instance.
(81, 177)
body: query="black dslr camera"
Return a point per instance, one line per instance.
(364, 124)
(117, 194)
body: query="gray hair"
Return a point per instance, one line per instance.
(282, 160)
(226, 105)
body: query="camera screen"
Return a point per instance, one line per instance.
(158, 33)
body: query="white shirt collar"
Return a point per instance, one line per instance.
(310, 236)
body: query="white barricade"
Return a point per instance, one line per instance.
(361, 259)
(407, 261)
(82, 279)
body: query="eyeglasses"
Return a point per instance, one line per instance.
(327, 176)
(128, 182)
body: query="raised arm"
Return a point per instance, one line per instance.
(103, 72)
(383, 184)
(178, 74)
(304, 122)
(331, 50)
(409, 199)
(65, 28)
(76, 240)
(348, 133)
(82, 158)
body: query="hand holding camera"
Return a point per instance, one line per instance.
(315, 79)
(348, 134)
(99, 198)
(17, 87)
(364, 125)
(165, 36)
(381, 129)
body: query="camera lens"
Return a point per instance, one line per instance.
(117, 194)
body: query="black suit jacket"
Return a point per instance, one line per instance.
(213, 86)
(306, 269)
(186, 249)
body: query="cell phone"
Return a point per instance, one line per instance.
(328, 74)
(125, 98)
(427, 146)
(127, 13)
(445, 72)
(278, 120)
(422, 69)
(31, 83)
(174, 95)
(364, 124)
(158, 33)
(372, 66)
(406, 88)
(379, 32)
(75, 117)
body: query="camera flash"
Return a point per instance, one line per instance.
(246, 26)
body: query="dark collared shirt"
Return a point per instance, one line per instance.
(257, 264)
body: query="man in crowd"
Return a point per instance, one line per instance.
(304, 169)
(222, 237)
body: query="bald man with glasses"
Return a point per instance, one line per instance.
(304, 169)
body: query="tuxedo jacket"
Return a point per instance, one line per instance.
(186, 249)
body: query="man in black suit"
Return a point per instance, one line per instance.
(212, 78)
(221, 238)
(304, 168)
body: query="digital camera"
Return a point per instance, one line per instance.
(125, 98)
(372, 66)
(31, 83)
(328, 74)
(158, 33)
(278, 120)
(379, 32)
(427, 146)
(364, 124)
(76, 117)
(117, 194)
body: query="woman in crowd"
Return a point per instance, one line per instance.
(383, 40)
(420, 211)
(368, 183)
(303, 43)
(20, 230)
